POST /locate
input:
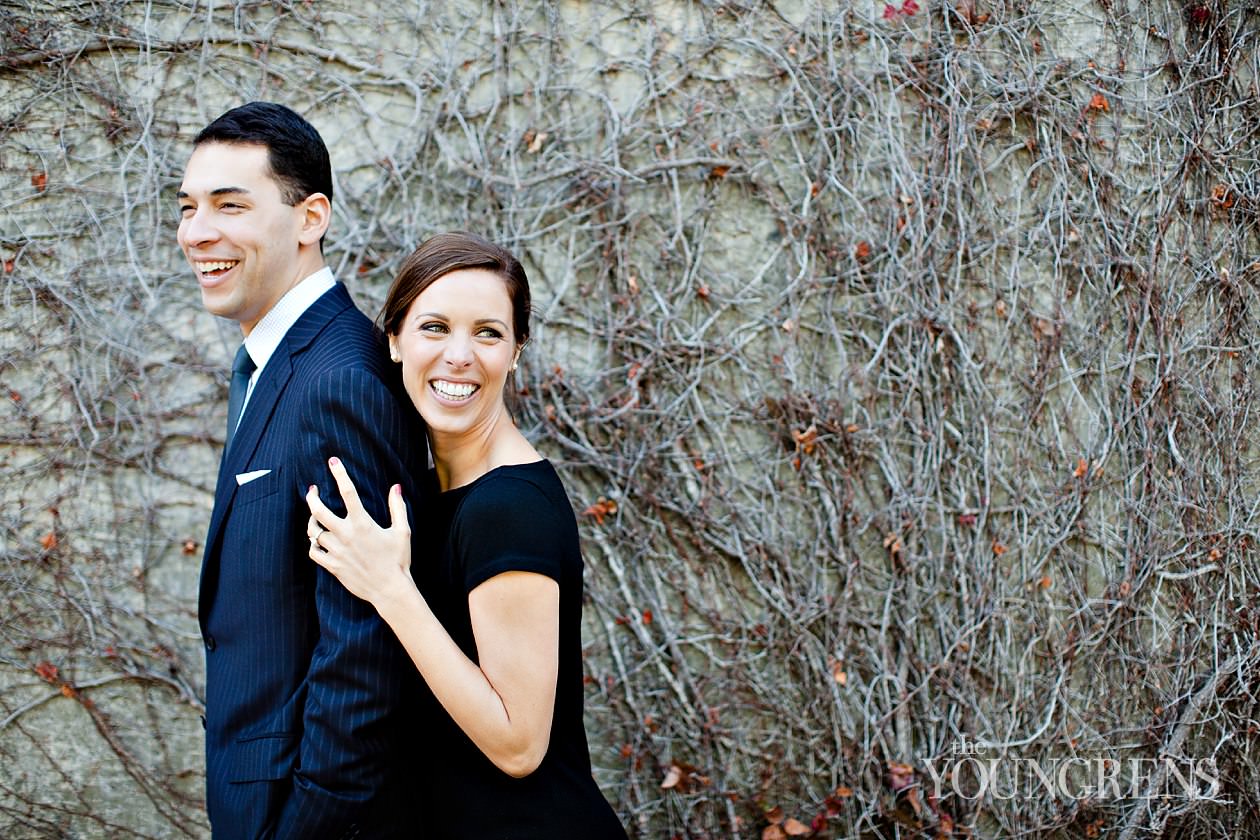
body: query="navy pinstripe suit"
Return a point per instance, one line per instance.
(309, 697)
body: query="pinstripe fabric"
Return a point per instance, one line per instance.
(309, 697)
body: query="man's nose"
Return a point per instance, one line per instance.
(195, 228)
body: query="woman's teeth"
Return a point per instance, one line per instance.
(454, 390)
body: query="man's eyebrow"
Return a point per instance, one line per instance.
(219, 191)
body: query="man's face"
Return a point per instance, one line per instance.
(242, 241)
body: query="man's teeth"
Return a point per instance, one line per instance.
(220, 265)
(454, 390)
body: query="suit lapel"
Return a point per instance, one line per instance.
(262, 403)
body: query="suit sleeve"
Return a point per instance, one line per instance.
(356, 685)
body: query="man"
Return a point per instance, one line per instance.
(308, 694)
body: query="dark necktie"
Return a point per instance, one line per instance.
(242, 368)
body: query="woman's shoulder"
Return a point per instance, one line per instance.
(516, 491)
(515, 518)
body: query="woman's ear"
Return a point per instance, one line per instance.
(393, 350)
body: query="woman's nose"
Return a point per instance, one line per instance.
(459, 351)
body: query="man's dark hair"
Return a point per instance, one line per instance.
(295, 151)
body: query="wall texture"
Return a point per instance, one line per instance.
(900, 360)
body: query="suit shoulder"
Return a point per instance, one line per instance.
(350, 340)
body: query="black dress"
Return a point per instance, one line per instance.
(513, 518)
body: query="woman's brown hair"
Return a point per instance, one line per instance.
(440, 255)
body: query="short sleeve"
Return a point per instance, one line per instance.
(509, 524)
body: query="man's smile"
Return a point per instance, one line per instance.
(214, 267)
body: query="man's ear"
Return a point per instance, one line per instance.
(316, 216)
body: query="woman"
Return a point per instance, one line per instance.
(497, 633)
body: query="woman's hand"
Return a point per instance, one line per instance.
(368, 560)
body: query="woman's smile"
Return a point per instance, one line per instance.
(454, 392)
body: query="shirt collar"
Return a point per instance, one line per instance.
(267, 334)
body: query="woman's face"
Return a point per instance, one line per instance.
(457, 347)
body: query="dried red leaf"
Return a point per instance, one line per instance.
(909, 7)
(647, 616)
(703, 292)
(775, 815)
(8, 266)
(967, 519)
(1081, 468)
(998, 548)
(900, 776)
(1097, 102)
(189, 547)
(39, 181)
(719, 171)
(48, 541)
(795, 828)
(1222, 197)
(890, 11)
(806, 440)
(773, 832)
(601, 508)
(47, 672)
(862, 251)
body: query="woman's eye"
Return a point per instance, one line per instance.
(433, 327)
(489, 332)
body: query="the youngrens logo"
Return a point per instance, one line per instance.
(970, 773)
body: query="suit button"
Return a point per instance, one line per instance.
(210, 644)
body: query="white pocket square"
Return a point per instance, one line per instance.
(246, 478)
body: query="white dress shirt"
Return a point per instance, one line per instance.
(267, 334)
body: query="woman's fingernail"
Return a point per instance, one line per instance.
(333, 461)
